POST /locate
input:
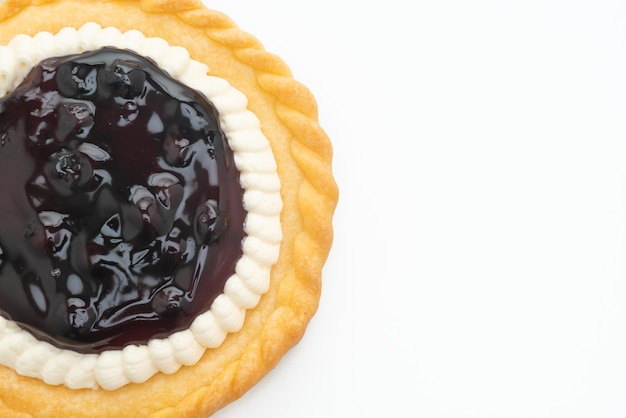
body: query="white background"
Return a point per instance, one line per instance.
(479, 261)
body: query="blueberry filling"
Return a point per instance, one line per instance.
(121, 215)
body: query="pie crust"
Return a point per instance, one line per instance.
(303, 153)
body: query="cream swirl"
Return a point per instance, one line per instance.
(253, 155)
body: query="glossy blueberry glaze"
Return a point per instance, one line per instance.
(121, 214)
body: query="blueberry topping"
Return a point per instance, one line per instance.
(122, 213)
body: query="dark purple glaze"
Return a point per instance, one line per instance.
(121, 214)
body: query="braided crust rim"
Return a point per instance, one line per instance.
(303, 154)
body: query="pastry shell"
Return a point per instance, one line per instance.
(288, 113)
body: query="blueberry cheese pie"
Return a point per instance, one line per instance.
(166, 208)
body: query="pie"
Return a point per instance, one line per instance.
(167, 214)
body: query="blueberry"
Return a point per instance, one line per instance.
(122, 79)
(167, 301)
(74, 117)
(77, 80)
(210, 223)
(67, 172)
(176, 151)
(80, 315)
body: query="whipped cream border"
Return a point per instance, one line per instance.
(254, 158)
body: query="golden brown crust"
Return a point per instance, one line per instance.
(303, 154)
